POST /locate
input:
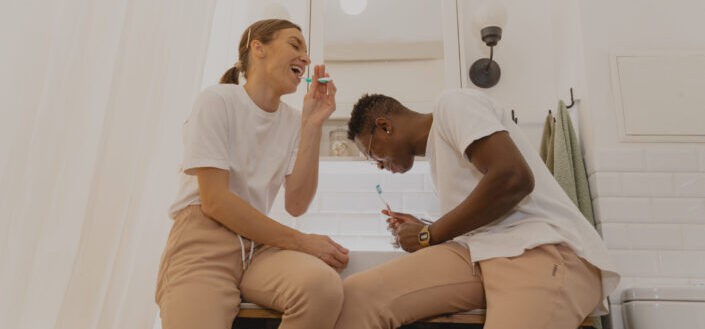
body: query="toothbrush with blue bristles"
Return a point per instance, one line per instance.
(386, 204)
(320, 80)
(379, 193)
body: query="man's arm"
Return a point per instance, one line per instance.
(507, 180)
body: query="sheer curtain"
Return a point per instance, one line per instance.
(92, 96)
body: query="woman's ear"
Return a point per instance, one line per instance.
(258, 48)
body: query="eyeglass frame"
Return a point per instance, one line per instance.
(370, 156)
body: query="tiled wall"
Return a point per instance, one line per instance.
(347, 206)
(650, 202)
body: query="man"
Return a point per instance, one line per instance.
(510, 239)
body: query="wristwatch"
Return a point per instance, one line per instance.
(424, 237)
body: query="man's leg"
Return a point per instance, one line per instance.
(429, 282)
(303, 287)
(546, 287)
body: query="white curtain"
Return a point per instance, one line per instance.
(92, 96)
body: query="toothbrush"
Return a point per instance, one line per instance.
(321, 80)
(379, 193)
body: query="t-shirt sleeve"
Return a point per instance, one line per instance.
(206, 134)
(466, 118)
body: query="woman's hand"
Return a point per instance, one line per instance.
(319, 102)
(327, 250)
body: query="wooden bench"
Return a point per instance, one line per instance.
(253, 311)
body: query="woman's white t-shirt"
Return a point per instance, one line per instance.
(227, 130)
(546, 216)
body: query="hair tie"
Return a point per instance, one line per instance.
(238, 65)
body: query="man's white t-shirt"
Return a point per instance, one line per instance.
(227, 130)
(546, 216)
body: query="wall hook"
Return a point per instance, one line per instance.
(572, 101)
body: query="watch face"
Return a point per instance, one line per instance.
(423, 236)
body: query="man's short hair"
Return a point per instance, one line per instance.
(367, 109)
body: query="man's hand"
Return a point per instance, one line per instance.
(405, 228)
(408, 236)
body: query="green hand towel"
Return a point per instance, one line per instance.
(569, 169)
(568, 165)
(547, 137)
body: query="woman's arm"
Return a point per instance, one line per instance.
(240, 217)
(319, 104)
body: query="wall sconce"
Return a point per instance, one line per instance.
(489, 18)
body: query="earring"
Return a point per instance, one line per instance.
(388, 132)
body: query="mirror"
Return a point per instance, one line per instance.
(393, 47)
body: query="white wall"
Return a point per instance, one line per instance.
(650, 197)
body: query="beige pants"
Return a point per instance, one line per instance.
(546, 287)
(201, 279)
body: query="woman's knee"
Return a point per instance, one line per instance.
(321, 287)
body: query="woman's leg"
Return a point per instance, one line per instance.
(429, 282)
(546, 287)
(303, 287)
(199, 274)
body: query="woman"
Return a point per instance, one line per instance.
(240, 144)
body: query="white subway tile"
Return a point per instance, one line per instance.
(357, 202)
(348, 182)
(348, 241)
(403, 183)
(616, 236)
(647, 184)
(421, 202)
(615, 210)
(354, 224)
(682, 263)
(376, 243)
(702, 159)
(698, 281)
(670, 160)
(636, 262)
(619, 160)
(694, 237)
(656, 236)
(678, 210)
(605, 184)
(692, 184)
(318, 223)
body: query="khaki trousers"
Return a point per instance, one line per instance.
(546, 287)
(201, 279)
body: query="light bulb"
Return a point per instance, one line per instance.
(353, 7)
(489, 13)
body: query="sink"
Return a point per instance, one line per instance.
(361, 260)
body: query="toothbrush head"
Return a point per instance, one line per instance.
(379, 189)
(320, 80)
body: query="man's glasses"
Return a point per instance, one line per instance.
(370, 156)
